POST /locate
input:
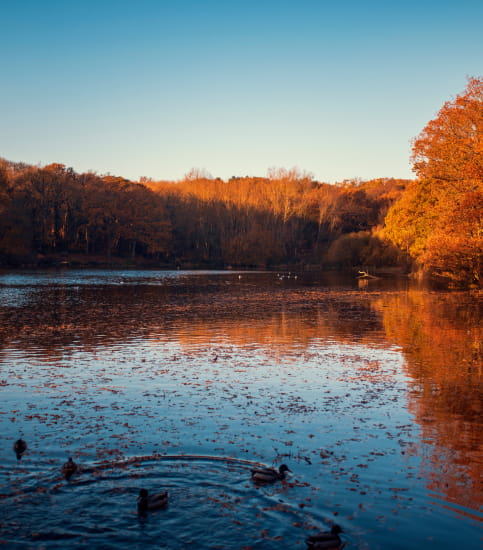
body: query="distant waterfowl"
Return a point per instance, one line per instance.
(329, 540)
(19, 447)
(288, 275)
(151, 502)
(269, 475)
(69, 468)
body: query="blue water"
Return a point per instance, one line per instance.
(181, 381)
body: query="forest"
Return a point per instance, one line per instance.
(431, 225)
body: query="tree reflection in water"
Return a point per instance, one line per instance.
(441, 335)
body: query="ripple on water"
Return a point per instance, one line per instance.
(212, 504)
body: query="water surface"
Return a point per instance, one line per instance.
(370, 391)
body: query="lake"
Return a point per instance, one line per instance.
(369, 390)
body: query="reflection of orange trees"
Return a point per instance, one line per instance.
(441, 340)
(121, 313)
(280, 320)
(276, 329)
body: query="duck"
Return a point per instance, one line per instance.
(269, 475)
(151, 502)
(69, 468)
(19, 447)
(329, 540)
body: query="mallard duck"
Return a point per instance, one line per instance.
(19, 447)
(329, 540)
(151, 502)
(69, 468)
(269, 475)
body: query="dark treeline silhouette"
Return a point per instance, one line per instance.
(52, 214)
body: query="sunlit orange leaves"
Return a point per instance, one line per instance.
(450, 148)
(439, 219)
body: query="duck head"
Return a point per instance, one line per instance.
(143, 500)
(336, 529)
(19, 447)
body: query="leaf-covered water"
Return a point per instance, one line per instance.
(182, 381)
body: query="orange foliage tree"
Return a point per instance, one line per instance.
(438, 220)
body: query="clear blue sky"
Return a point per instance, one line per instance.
(157, 87)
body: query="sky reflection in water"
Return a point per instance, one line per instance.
(355, 388)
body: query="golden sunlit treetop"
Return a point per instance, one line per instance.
(439, 219)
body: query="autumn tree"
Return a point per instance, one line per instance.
(4, 188)
(13, 237)
(438, 219)
(450, 148)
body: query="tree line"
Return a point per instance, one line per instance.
(50, 214)
(285, 218)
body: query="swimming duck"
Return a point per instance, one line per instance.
(69, 468)
(269, 475)
(329, 540)
(151, 502)
(19, 447)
